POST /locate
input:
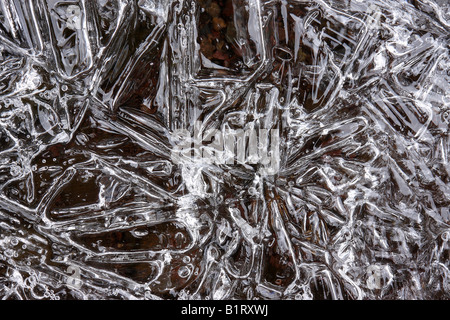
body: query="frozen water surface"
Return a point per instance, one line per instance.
(224, 149)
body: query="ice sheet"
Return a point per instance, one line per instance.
(224, 149)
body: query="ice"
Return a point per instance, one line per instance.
(224, 149)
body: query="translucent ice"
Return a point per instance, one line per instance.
(224, 149)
